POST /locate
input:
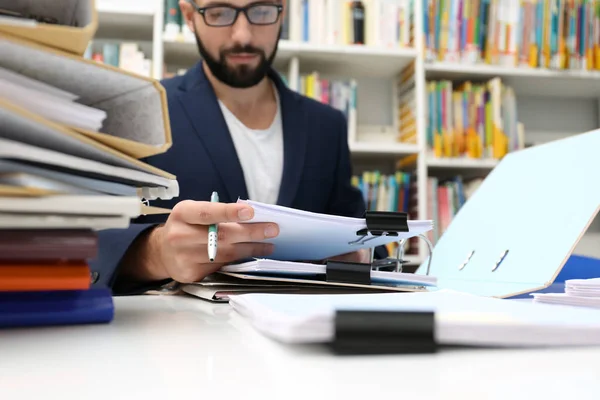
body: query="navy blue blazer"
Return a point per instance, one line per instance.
(316, 171)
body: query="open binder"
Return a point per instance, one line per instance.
(513, 236)
(517, 231)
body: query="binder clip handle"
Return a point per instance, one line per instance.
(386, 222)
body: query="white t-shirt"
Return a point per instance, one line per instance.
(260, 152)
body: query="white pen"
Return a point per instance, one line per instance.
(213, 231)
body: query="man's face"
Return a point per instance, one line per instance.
(238, 55)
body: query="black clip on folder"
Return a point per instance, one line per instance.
(361, 332)
(379, 223)
(380, 332)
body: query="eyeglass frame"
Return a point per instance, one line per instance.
(238, 10)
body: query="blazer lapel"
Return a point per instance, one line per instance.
(200, 104)
(294, 141)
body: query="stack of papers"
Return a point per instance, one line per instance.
(578, 292)
(311, 236)
(460, 319)
(72, 132)
(305, 237)
(267, 267)
(42, 99)
(62, 161)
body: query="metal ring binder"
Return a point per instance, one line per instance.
(502, 257)
(399, 259)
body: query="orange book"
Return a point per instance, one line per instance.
(15, 277)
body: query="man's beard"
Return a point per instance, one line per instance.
(242, 76)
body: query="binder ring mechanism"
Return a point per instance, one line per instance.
(388, 223)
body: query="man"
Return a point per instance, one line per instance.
(238, 130)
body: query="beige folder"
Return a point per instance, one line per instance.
(76, 27)
(137, 122)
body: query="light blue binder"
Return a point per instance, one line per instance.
(519, 228)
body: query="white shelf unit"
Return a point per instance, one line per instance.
(551, 104)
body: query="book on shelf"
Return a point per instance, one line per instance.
(407, 110)
(376, 23)
(389, 192)
(72, 133)
(556, 34)
(174, 23)
(338, 93)
(473, 120)
(124, 55)
(445, 197)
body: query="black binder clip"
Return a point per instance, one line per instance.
(382, 223)
(388, 223)
(348, 272)
(383, 332)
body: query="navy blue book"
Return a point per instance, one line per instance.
(34, 309)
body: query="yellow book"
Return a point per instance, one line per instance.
(437, 145)
(310, 86)
(346, 25)
(500, 145)
(444, 31)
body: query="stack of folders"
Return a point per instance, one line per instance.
(72, 133)
(578, 292)
(304, 260)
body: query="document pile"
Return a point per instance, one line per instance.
(422, 320)
(72, 132)
(304, 254)
(578, 292)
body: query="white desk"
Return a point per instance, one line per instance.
(183, 348)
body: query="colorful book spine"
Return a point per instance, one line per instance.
(472, 120)
(555, 34)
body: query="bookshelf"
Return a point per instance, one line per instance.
(550, 103)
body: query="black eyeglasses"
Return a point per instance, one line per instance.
(223, 15)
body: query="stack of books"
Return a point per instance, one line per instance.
(472, 120)
(72, 136)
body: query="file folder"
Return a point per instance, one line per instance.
(137, 122)
(519, 228)
(33, 309)
(76, 23)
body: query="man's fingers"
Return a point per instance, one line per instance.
(240, 233)
(186, 235)
(240, 251)
(193, 266)
(207, 213)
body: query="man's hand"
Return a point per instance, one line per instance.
(178, 249)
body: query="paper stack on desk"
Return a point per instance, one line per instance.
(305, 237)
(311, 236)
(72, 133)
(578, 292)
(458, 318)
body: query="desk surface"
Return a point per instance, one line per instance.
(183, 348)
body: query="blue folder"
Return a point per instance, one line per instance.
(520, 227)
(28, 309)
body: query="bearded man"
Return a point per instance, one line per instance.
(237, 130)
